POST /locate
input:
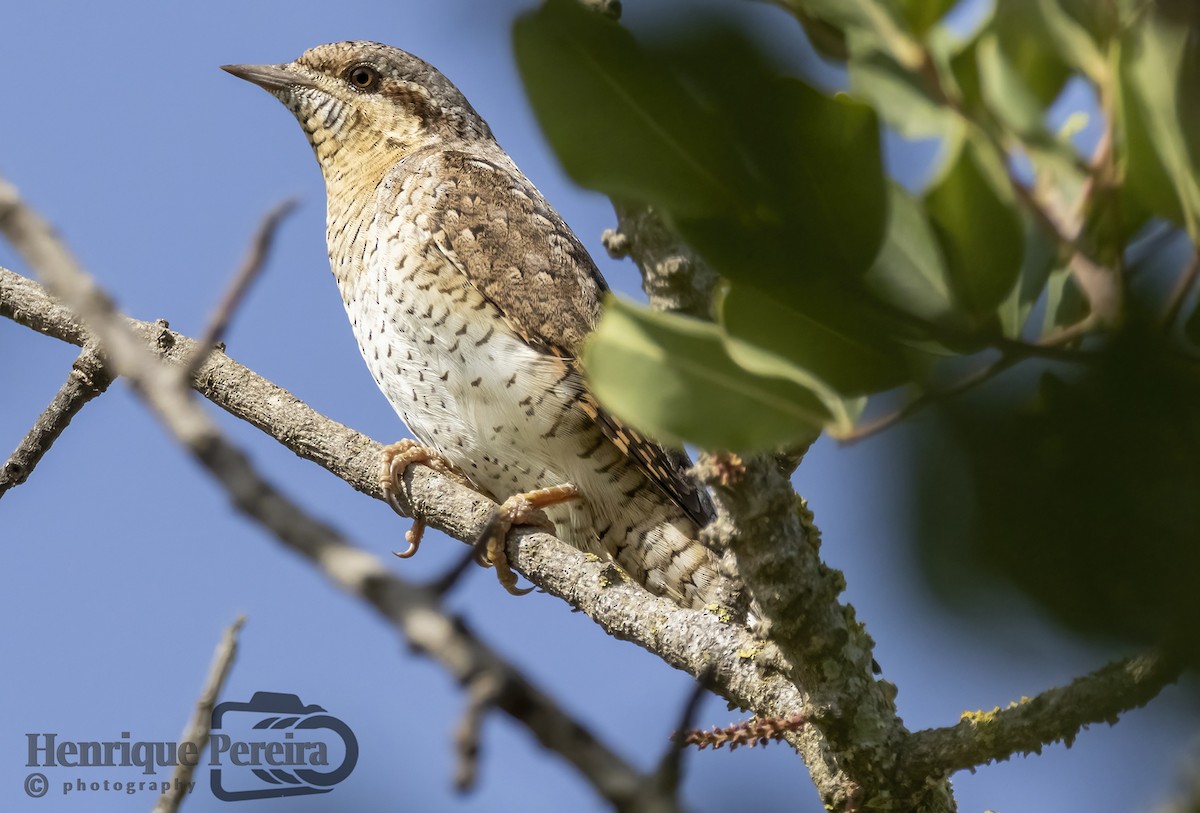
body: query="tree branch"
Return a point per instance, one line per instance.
(251, 267)
(673, 276)
(1028, 725)
(850, 747)
(199, 728)
(87, 379)
(743, 669)
(770, 532)
(414, 611)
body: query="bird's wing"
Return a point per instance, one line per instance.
(511, 245)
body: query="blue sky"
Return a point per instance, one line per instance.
(125, 562)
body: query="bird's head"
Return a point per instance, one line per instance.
(367, 100)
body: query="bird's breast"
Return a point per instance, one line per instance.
(453, 369)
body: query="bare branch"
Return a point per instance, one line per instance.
(413, 610)
(200, 726)
(445, 583)
(1028, 725)
(673, 276)
(769, 530)
(763, 522)
(260, 248)
(746, 672)
(482, 693)
(766, 527)
(670, 768)
(87, 379)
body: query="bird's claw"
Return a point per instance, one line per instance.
(489, 552)
(413, 537)
(519, 509)
(393, 462)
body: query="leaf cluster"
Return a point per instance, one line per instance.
(1040, 242)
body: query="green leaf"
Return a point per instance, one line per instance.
(979, 231)
(837, 340)
(922, 14)
(1005, 93)
(826, 39)
(1065, 303)
(909, 272)
(1099, 20)
(1056, 480)
(898, 95)
(1040, 260)
(618, 120)
(1147, 186)
(963, 66)
(876, 21)
(822, 204)
(1074, 43)
(771, 181)
(1030, 47)
(1187, 97)
(1152, 62)
(671, 377)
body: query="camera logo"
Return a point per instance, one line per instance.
(276, 746)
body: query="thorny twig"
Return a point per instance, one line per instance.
(752, 732)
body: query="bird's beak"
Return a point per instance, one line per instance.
(269, 77)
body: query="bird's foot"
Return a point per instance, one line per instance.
(519, 509)
(392, 463)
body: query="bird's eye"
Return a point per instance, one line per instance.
(363, 77)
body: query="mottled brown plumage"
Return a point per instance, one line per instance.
(470, 298)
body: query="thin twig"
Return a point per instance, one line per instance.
(1056, 714)
(753, 732)
(445, 583)
(256, 259)
(670, 768)
(199, 728)
(928, 398)
(482, 695)
(1099, 282)
(87, 379)
(1048, 347)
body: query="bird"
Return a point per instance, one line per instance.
(470, 299)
